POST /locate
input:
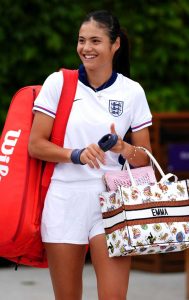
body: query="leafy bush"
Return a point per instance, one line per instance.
(38, 37)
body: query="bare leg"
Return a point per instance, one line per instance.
(112, 273)
(66, 263)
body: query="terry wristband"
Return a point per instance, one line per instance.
(75, 156)
(107, 141)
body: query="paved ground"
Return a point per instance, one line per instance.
(34, 284)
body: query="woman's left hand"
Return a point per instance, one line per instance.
(120, 145)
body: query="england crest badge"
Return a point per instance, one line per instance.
(116, 107)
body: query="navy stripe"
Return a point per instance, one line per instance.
(47, 110)
(136, 127)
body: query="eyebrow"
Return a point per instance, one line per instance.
(92, 37)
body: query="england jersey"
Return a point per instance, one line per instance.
(121, 101)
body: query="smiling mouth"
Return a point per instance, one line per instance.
(89, 57)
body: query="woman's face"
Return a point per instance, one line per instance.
(94, 47)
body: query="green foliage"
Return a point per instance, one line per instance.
(38, 37)
(160, 58)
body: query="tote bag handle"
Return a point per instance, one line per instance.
(165, 177)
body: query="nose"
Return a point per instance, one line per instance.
(87, 46)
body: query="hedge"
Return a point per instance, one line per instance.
(38, 37)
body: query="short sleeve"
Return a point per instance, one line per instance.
(49, 95)
(141, 116)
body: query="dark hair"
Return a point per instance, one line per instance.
(106, 20)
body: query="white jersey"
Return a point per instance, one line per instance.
(122, 102)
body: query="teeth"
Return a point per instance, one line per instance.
(89, 56)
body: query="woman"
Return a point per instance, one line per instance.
(106, 101)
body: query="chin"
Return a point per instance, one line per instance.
(89, 66)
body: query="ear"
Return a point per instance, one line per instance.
(116, 44)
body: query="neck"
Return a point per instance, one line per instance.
(96, 78)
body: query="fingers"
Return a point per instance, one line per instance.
(112, 128)
(120, 143)
(93, 156)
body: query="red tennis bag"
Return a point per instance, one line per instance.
(24, 180)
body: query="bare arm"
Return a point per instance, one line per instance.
(136, 157)
(39, 145)
(140, 138)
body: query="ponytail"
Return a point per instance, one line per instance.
(121, 61)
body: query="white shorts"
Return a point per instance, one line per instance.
(72, 212)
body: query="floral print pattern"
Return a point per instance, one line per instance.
(147, 238)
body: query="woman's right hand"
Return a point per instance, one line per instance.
(93, 156)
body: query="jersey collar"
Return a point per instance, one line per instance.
(84, 80)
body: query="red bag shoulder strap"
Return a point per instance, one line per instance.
(64, 106)
(60, 122)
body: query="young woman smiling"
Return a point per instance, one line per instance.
(106, 101)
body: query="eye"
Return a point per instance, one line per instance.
(81, 40)
(96, 41)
